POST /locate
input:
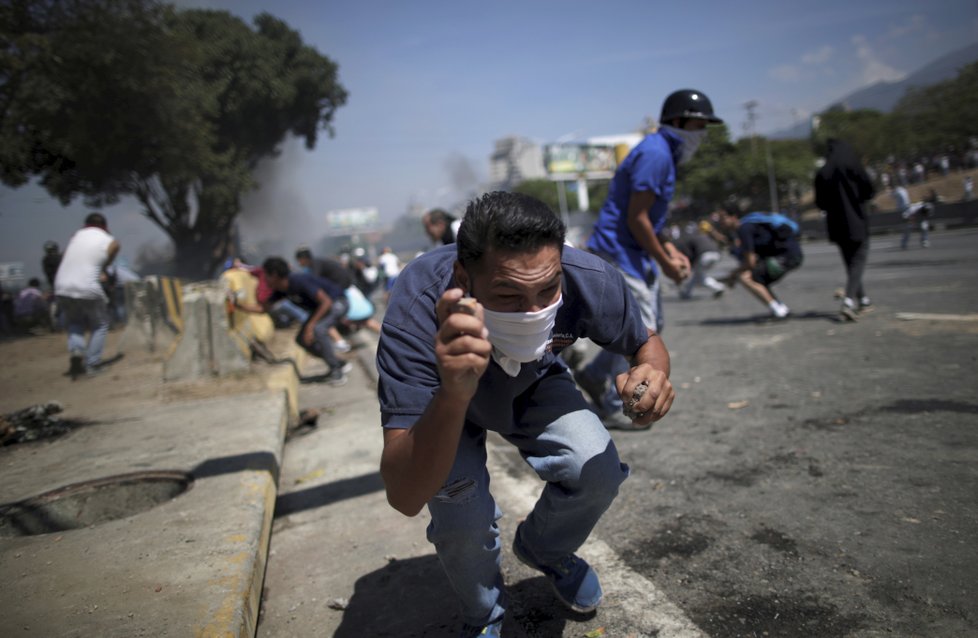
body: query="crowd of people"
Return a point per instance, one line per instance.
(477, 333)
(896, 171)
(474, 340)
(328, 298)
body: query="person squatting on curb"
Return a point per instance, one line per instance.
(470, 344)
(628, 232)
(81, 298)
(323, 300)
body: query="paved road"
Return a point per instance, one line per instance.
(815, 478)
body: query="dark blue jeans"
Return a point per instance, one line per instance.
(322, 344)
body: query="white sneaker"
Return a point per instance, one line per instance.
(338, 376)
(848, 310)
(342, 345)
(779, 310)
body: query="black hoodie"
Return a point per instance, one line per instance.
(841, 189)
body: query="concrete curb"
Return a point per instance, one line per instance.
(284, 377)
(193, 565)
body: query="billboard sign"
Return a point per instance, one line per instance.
(12, 273)
(570, 161)
(350, 221)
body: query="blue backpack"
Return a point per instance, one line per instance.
(784, 227)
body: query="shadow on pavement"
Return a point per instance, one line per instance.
(414, 598)
(252, 461)
(832, 317)
(320, 495)
(916, 406)
(409, 597)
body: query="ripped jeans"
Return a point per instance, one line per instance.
(569, 448)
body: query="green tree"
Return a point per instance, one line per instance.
(104, 98)
(547, 192)
(943, 115)
(597, 192)
(863, 129)
(927, 120)
(721, 169)
(544, 190)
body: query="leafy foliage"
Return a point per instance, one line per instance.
(722, 169)
(941, 116)
(547, 192)
(934, 119)
(103, 98)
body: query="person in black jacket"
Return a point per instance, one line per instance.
(842, 188)
(51, 261)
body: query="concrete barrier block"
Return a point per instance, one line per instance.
(206, 345)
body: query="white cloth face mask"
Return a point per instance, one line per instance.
(520, 337)
(691, 141)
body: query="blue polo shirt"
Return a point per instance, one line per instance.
(650, 166)
(597, 305)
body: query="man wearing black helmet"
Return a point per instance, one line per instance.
(627, 232)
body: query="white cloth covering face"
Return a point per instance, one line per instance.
(520, 337)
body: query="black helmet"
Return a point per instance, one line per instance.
(688, 103)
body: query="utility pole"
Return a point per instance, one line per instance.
(771, 183)
(751, 126)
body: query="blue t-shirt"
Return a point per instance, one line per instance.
(596, 305)
(304, 289)
(650, 166)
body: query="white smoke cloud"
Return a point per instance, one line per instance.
(275, 218)
(785, 73)
(873, 69)
(818, 56)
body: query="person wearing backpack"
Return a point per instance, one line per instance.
(767, 248)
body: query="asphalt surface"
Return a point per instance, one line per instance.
(814, 478)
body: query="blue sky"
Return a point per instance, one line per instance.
(433, 83)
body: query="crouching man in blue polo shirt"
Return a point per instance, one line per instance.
(469, 344)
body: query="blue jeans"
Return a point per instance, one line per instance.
(908, 228)
(286, 312)
(607, 365)
(322, 344)
(81, 315)
(569, 448)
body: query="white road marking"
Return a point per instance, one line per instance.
(642, 605)
(930, 316)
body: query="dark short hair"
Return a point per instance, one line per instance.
(507, 221)
(437, 215)
(303, 253)
(34, 282)
(732, 207)
(276, 266)
(96, 219)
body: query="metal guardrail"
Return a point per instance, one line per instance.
(945, 215)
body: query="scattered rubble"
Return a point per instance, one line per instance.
(33, 423)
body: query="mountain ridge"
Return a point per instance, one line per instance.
(884, 96)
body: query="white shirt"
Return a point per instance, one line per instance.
(901, 197)
(81, 265)
(390, 263)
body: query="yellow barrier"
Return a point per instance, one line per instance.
(172, 290)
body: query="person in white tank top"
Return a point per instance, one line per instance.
(78, 287)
